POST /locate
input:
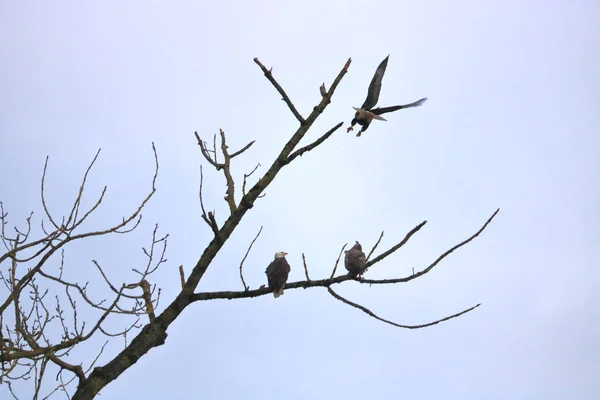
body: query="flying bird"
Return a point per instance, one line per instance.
(366, 113)
(277, 273)
(355, 260)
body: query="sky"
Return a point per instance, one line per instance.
(513, 97)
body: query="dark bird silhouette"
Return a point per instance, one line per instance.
(355, 260)
(366, 114)
(277, 273)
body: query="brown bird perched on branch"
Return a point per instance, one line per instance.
(355, 260)
(277, 273)
(366, 114)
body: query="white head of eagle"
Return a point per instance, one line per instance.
(280, 254)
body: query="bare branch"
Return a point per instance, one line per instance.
(396, 247)
(148, 299)
(246, 147)
(75, 209)
(207, 156)
(44, 196)
(314, 144)
(182, 276)
(305, 267)
(284, 96)
(323, 90)
(230, 194)
(203, 296)
(337, 261)
(433, 264)
(244, 259)
(246, 176)
(374, 247)
(24, 281)
(369, 312)
(204, 216)
(214, 225)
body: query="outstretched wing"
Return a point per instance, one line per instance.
(383, 110)
(375, 86)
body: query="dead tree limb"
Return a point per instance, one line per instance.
(369, 312)
(268, 73)
(245, 256)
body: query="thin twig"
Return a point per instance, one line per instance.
(246, 176)
(323, 90)
(337, 261)
(374, 247)
(246, 147)
(244, 259)
(206, 154)
(214, 225)
(305, 267)
(285, 97)
(314, 144)
(369, 312)
(182, 276)
(396, 247)
(148, 299)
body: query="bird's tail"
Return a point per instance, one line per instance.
(278, 293)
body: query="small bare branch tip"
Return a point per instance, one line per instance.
(246, 287)
(396, 247)
(337, 261)
(305, 267)
(323, 90)
(348, 64)
(374, 247)
(285, 97)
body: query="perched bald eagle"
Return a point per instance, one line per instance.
(277, 273)
(367, 113)
(355, 260)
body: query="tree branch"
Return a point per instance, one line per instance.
(207, 156)
(337, 261)
(284, 96)
(314, 144)
(246, 176)
(230, 194)
(369, 312)
(305, 267)
(396, 247)
(244, 259)
(433, 264)
(246, 147)
(374, 247)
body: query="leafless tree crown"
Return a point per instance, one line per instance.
(44, 315)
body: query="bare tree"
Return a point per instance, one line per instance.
(41, 317)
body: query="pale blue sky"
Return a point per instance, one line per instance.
(511, 122)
